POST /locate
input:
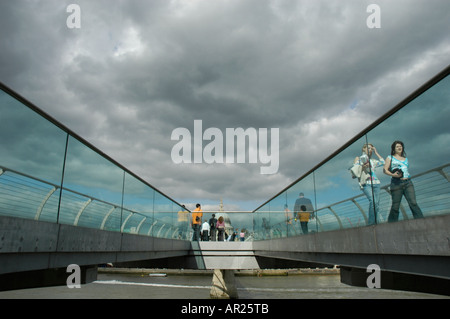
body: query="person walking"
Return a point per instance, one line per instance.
(233, 235)
(397, 166)
(369, 182)
(205, 231)
(303, 214)
(183, 222)
(220, 228)
(213, 229)
(304, 219)
(197, 215)
(242, 235)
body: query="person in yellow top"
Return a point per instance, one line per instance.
(304, 219)
(196, 222)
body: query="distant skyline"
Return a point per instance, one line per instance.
(134, 71)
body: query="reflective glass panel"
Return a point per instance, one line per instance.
(422, 127)
(31, 160)
(165, 216)
(92, 186)
(138, 200)
(30, 144)
(335, 188)
(300, 200)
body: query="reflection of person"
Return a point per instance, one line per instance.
(183, 220)
(265, 228)
(370, 184)
(303, 215)
(220, 228)
(302, 200)
(397, 166)
(304, 219)
(212, 225)
(197, 222)
(287, 214)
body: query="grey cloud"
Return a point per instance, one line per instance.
(263, 64)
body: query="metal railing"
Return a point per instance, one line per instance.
(24, 196)
(432, 192)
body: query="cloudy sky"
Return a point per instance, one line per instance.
(137, 70)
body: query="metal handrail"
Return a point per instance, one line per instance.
(439, 169)
(89, 199)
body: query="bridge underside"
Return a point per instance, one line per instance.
(412, 255)
(36, 253)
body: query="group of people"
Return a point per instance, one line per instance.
(396, 166)
(211, 230)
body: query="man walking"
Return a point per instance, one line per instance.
(197, 215)
(212, 225)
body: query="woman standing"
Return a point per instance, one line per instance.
(370, 184)
(220, 228)
(397, 166)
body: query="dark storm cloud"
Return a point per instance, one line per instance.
(136, 70)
